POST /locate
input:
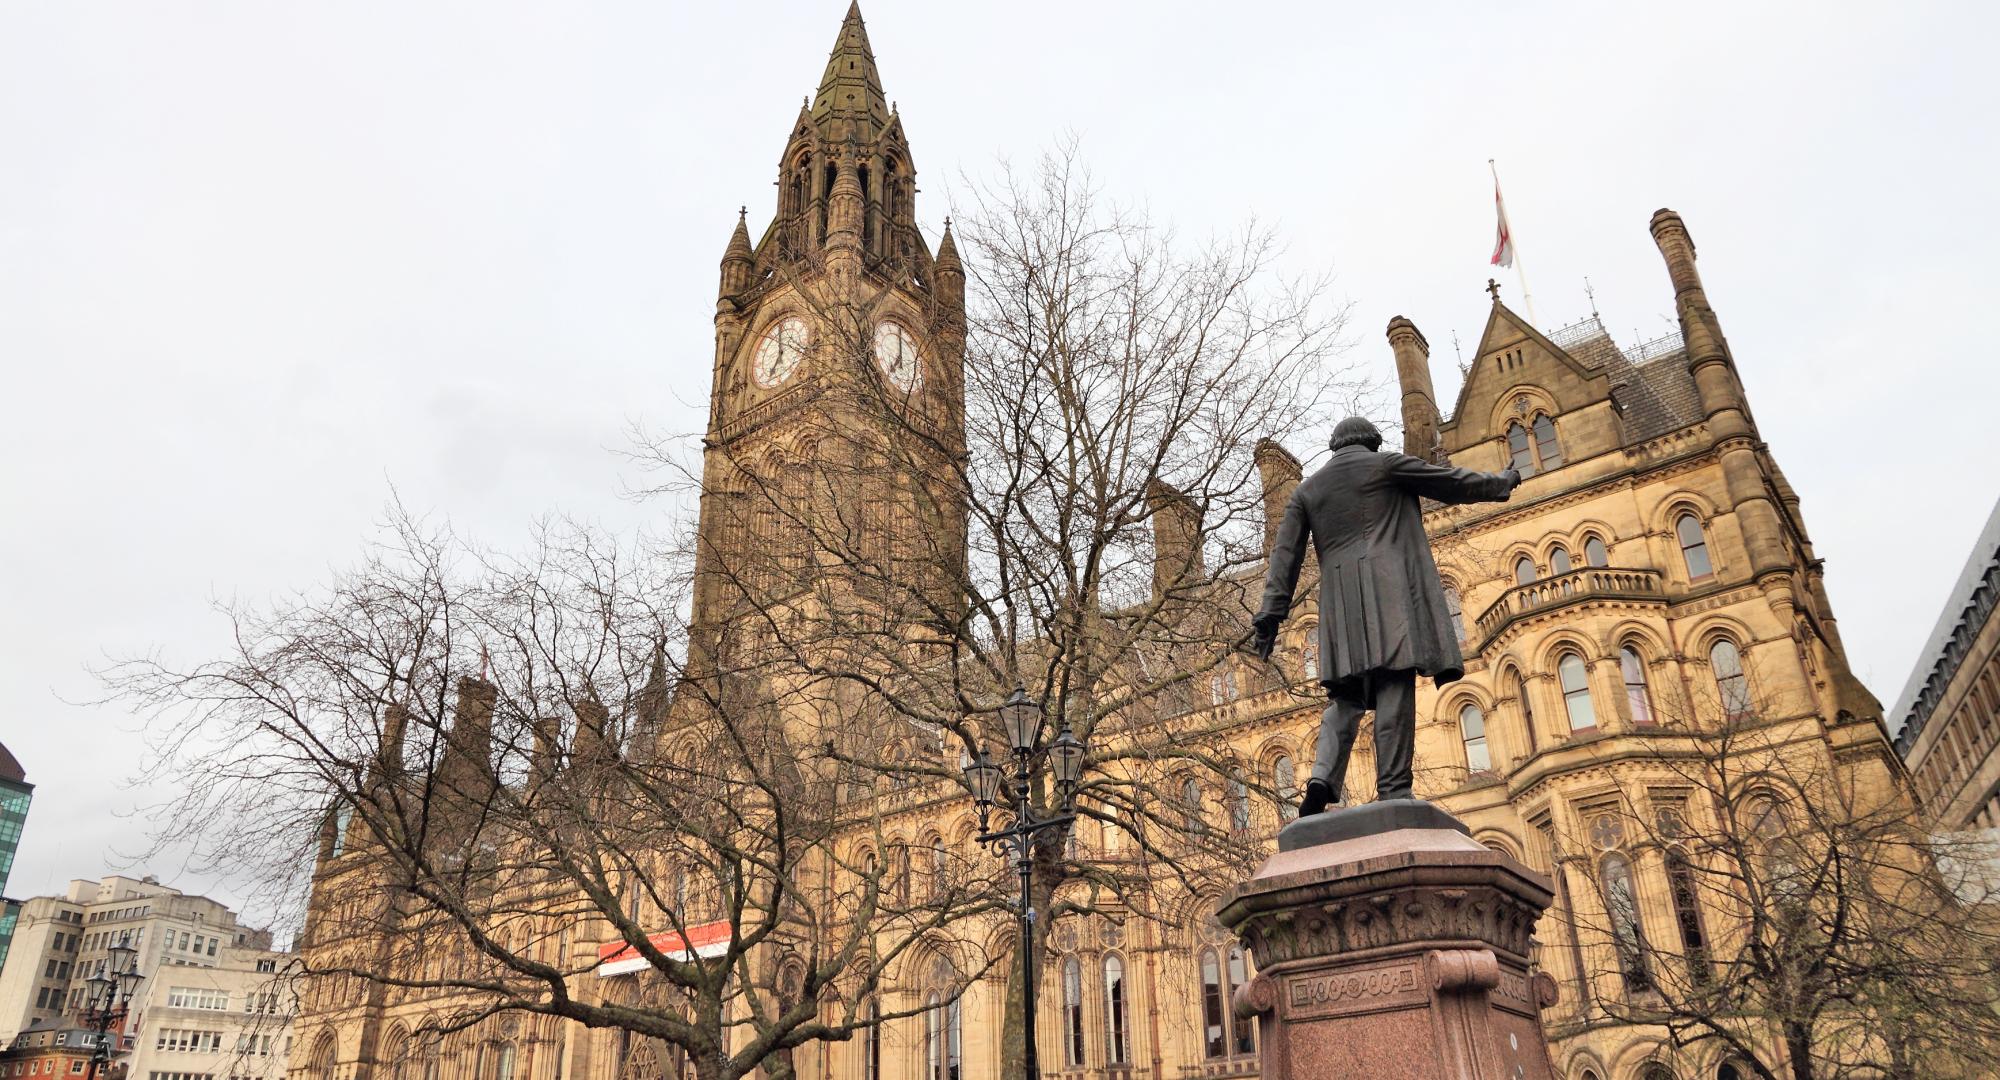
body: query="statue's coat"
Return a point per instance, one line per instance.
(1381, 606)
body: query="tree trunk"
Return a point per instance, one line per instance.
(1013, 1047)
(1798, 1047)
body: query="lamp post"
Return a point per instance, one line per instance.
(108, 1000)
(1021, 717)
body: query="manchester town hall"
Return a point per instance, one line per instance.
(1654, 568)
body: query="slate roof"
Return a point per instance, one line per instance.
(1649, 382)
(10, 768)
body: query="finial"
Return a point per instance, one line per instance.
(1592, 295)
(947, 222)
(743, 211)
(1493, 288)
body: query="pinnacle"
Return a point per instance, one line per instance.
(947, 251)
(739, 239)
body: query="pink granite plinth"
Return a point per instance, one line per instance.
(1397, 956)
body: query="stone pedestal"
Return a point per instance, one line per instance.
(1399, 954)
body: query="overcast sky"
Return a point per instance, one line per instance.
(258, 261)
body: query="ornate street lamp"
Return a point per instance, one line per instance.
(108, 1000)
(1021, 719)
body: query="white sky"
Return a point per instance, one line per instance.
(260, 261)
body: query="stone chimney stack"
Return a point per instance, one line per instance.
(1727, 412)
(1413, 371)
(467, 769)
(1280, 472)
(1177, 558)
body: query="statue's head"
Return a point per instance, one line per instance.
(1355, 429)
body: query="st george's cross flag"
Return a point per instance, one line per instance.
(1503, 239)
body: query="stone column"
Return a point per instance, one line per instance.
(1390, 944)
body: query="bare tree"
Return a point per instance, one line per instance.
(463, 843)
(1081, 512)
(1814, 929)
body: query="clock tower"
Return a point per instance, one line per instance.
(836, 429)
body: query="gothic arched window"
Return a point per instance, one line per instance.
(1594, 553)
(1524, 571)
(1246, 1031)
(1559, 560)
(1072, 1011)
(1636, 699)
(1116, 1044)
(1694, 547)
(1546, 444)
(1520, 455)
(1215, 1033)
(1731, 684)
(1472, 729)
(1575, 679)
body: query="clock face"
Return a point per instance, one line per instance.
(778, 355)
(896, 355)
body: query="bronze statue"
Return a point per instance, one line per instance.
(1382, 615)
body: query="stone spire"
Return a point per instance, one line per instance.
(850, 104)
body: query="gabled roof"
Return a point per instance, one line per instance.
(1503, 325)
(10, 767)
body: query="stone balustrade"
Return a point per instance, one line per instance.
(1577, 586)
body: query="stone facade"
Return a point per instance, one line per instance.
(1654, 567)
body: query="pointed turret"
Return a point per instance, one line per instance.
(948, 270)
(1413, 371)
(850, 105)
(738, 256)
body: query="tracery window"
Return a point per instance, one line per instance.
(1636, 698)
(1285, 781)
(1687, 915)
(1472, 729)
(1239, 802)
(1520, 455)
(1732, 686)
(1594, 553)
(1116, 1044)
(1191, 804)
(1694, 547)
(1575, 679)
(1072, 1007)
(871, 1046)
(1546, 444)
(1527, 707)
(1621, 906)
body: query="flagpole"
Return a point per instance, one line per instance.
(1520, 264)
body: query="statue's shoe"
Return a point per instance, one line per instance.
(1319, 796)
